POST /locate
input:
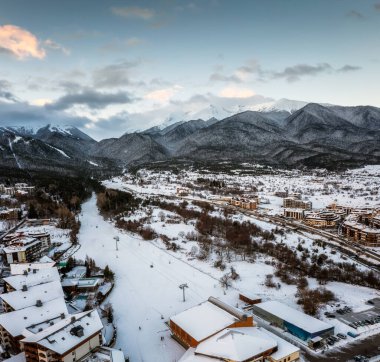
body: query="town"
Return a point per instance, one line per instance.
(76, 282)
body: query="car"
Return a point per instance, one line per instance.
(341, 336)
(352, 334)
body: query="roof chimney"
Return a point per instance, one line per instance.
(39, 303)
(24, 288)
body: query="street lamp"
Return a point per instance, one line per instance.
(183, 286)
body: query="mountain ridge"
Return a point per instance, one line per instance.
(312, 135)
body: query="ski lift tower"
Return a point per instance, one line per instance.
(116, 241)
(183, 287)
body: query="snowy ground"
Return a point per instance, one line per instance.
(143, 294)
(357, 188)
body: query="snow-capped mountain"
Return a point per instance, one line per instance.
(278, 134)
(284, 105)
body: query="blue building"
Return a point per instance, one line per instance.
(299, 324)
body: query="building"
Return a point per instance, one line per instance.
(249, 299)
(78, 271)
(241, 345)
(25, 249)
(67, 340)
(296, 214)
(299, 324)
(295, 203)
(30, 279)
(21, 268)
(345, 210)
(244, 203)
(9, 214)
(27, 297)
(43, 236)
(105, 354)
(322, 220)
(363, 226)
(198, 323)
(81, 285)
(13, 324)
(361, 233)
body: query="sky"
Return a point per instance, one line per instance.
(116, 66)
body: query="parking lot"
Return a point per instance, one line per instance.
(369, 318)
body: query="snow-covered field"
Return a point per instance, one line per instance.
(143, 295)
(148, 276)
(356, 188)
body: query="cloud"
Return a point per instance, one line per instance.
(235, 92)
(294, 73)
(163, 95)
(133, 41)
(355, 15)
(23, 114)
(377, 6)
(253, 71)
(348, 68)
(219, 77)
(134, 12)
(5, 92)
(55, 46)
(114, 75)
(90, 98)
(41, 102)
(20, 42)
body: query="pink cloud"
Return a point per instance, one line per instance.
(20, 42)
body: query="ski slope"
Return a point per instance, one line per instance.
(144, 294)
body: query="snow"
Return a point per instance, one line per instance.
(44, 292)
(293, 316)
(203, 320)
(143, 294)
(153, 292)
(59, 150)
(33, 278)
(284, 348)
(237, 344)
(92, 163)
(77, 272)
(15, 322)
(58, 337)
(17, 358)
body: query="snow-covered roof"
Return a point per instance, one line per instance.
(237, 344)
(61, 337)
(36, 277)
(44, 292)
(21, 244)
(17, 358)
(15, 322)
(105, 354)
(81, 282)
(77, 272)
(293, 316)
(284, 348)
(203, 320)
(17, 269)
(190, 356)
